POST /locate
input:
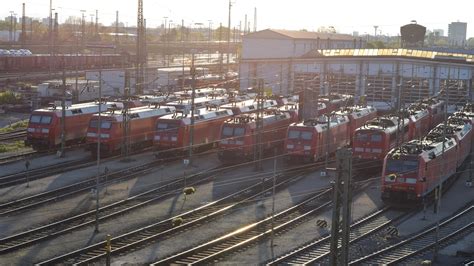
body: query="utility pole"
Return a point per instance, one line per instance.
(97, 23)
(63, 113)
(54, 37)
(273, 197)
(245, 24)
(23, 27)
(259, 123)
(141, 56)
(116, 29)
(193, 95)
(50, 37)
(83, 29)
(439, 189)
(182, 47)
(255, 20)
(99, 137)
(342, 194)
(221, 56)
(228, 36)
(125, 150)
(346, 162)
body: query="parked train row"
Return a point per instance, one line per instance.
(43, 62)
(416, 168)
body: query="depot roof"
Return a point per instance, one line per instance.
(400, 52)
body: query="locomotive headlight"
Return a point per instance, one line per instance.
(307, 148)
(91, 134)
(45, 130)
(390, 178)
(104, 136)
(290, 146)
(157, 137)
(31, 130)
(174, 138)
(239, 142)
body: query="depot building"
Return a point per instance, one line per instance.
(289, 61)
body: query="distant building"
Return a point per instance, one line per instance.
(412, 35)
(457, 34)
(271, 44)
(438, 32)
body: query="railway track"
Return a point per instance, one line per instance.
(68, 224)
(16, 157)
(318, 250)
(212, 251)
(39, 199)
(42, 172)
(166, 228)
(13, 135)
(456, 226)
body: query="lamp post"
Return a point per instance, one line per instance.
(209, 39)
(99, 126)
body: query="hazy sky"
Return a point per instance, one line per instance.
(345, 15)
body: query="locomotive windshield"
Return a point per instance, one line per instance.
(232, 131)
(361, 136)
(365, 137)
(41, 119)
(401, 166)
(167, 126)
(103, 124)
(296, 134)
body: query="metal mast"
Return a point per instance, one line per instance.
(141, 53)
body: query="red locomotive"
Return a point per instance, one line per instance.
(335, 101)
(358, 116)
(238, 134)
(378, 136)
(173, 131)
(199, 93)
(142, 121)
(416, 168)
(248, 106)
(436, 109)
(199, 103)
(41, 62)
(374, 139)
(308, 141)
(44, 126)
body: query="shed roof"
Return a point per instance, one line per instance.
(395, 52)
(294, 34)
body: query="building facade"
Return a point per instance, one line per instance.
(457, 34)
(381, 76)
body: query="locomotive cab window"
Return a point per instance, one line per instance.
(361, 137)
(293, 134)
(402, 166)
(227, 131)
(103, 124)
(376, 138)
(41, 119)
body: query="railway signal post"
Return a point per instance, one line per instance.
(193, 96)
(342, 196)
(63, 114)
(259, 123)
(27, 167)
